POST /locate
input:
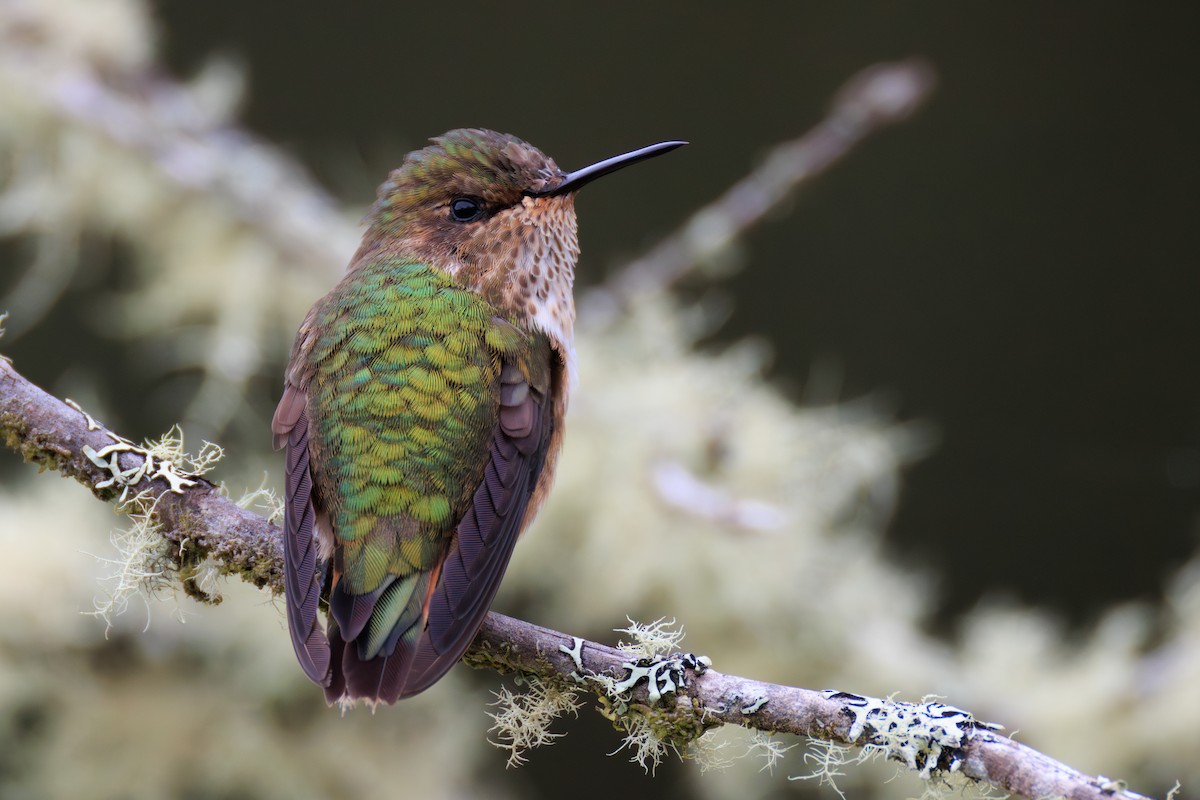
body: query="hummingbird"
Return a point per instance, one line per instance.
(422, 410)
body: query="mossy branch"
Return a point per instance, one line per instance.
(203, 522)
(678, 696)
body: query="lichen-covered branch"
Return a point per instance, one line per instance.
(678, 696)
(199, 518)
(930, 737)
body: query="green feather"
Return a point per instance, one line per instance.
(388, 611)
(404, 392)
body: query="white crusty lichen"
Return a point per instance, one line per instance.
(927, 737)
(146, 563)
(663, 675)
(161, 459)
(650, 648)
(650, 731)
(649, 661)
(522, 720)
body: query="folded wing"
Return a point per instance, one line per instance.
(430, 623)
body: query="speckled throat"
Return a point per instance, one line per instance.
(523, 262)
(518, 254)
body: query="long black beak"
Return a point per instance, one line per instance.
(580, 177)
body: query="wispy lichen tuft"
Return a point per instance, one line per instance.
(646, 747)
(147, 564)
(710, 752)
(142, 567)
(265, 500)
(656, 638)
(170, 448)
(522, 721)
(767, 747)
(827, 759)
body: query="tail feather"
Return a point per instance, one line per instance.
(401, 638)
(353, 611)
(381, 679)
(335, 689)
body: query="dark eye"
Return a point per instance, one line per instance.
(466, 209)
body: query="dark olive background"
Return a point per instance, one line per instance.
(1017, 265)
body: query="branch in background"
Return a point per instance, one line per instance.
(98, 140)
(676, 697)
(879, 96)
(189, 143)
(195, 182)
(201, 521)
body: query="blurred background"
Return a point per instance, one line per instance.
(933, 427)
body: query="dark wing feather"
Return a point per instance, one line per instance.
(304, 571)
(353, 611)
(469, 577)
(486, 536)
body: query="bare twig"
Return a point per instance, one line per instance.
(875, 98)
(679, 691)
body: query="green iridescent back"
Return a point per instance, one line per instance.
(404, 392)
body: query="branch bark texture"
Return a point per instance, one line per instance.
(681, 691)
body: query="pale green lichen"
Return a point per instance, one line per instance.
(265, 500)
(766, 746)
(647, 748)
(92, 425)
(146, 563)
(652, 731)
(649, 640)
(827, 759)
(522, 720)
(160, 459)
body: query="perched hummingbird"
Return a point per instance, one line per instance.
(423, 408)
